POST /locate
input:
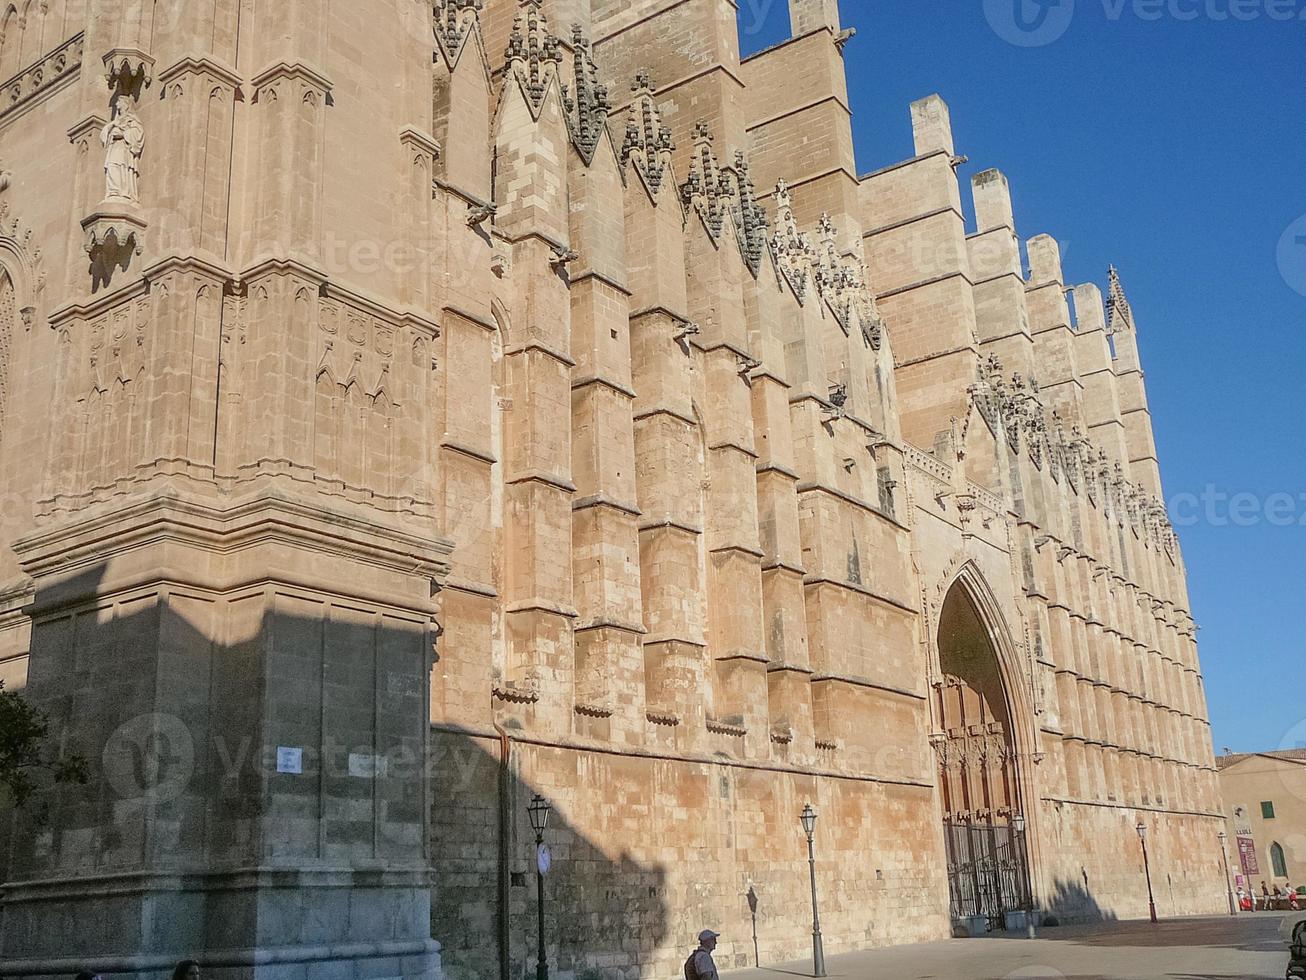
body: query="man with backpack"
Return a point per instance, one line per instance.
(700, 965)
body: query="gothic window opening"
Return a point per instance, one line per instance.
(1278, 860)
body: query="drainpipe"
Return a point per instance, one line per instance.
(503, 883)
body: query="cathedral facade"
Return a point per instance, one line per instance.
(411, 408)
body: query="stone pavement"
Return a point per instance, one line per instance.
(1250, 946)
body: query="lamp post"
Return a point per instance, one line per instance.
(539, 814)
(808, 819)
(1224, 859)
(1147, 869)
(1018, 822)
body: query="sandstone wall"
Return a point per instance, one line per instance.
(709, 426)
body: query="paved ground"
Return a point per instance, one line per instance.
(1250, 946)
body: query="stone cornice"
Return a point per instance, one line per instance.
(200, 66)
(223, 526)
(297, 70)
(419, 139)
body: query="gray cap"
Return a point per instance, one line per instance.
(707, 934)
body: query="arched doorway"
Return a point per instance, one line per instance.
(979, 785)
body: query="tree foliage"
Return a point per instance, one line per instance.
(25, 753)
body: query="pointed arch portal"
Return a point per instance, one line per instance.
(979, 781)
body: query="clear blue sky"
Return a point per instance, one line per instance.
(1175, 149)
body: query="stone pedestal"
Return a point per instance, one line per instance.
(249, 681)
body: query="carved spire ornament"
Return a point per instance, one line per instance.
(794, 252)
(648, 142)
(706, 190)
(587, 110)
(749, 215)
(533, 54)
(454, 20)
(1119, 315)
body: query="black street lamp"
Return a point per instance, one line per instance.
(1018, 822)
(539, 814)
(1147, 869)
(1224, 858)
(808, 818)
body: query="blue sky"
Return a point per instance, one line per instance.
(1173, 146)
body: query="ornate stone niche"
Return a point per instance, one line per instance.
(128, 72)
(114, 231)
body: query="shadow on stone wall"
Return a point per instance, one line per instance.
(261, 756)
(604, 915)
(1072, 900)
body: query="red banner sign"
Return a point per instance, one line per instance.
(1247, 856)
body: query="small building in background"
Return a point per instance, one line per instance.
(1265, 805)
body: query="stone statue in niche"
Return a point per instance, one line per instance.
(123, 138)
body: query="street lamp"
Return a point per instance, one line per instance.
(808, 819)
(1147, 869)
(539, 813)
(1018, 822)
(1224, 858)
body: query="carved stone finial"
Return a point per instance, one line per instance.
(750, 216)
(647, 142)
(533, 54)
(707, 189)
(454, 20)
(587, 112)
(793, 249)
(1119, 315)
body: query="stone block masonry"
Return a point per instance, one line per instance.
(408, 409)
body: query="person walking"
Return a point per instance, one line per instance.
(700, 965)
(186, 970)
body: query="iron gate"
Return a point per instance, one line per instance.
(988, 871)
